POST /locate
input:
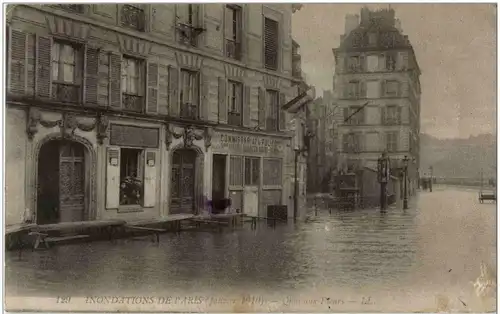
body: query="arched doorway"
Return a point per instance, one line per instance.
(61, 182)
(182, 200)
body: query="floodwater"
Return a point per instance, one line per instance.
(421, 259)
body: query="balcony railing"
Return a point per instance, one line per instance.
(66, 92)
(133, 17)
(132, 103)
(234, 118)
(75, 8)
(188, 34)
(189, 111)
(271, 124)
(233, 49)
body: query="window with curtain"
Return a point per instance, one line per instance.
(235, 90)
(66, 72)
(189, 93)
(272, 110)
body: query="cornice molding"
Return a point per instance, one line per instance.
(150, 39)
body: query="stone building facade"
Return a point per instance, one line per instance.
(322, 159)
(141, 111)
(376, 66)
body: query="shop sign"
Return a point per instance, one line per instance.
(248, 144)
(135, 136)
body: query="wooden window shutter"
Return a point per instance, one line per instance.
(115, 80)
(31, 64)
(91, 75)
(113, 178)
(362, 62)
(399, 115)
(173, 95)
(44, 68)
(246, 110)
(362, 86)
(271, 44)
(204, 103)
(223, 98)
(17, 80)
(162, 89)
(282, 113)
(382, 88)
(262, 108)
(152, 85)
(150, 178)
(382, 115)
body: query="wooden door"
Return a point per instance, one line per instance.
(183, 182)
(218, 177)
(71, 182)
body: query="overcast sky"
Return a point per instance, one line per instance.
(455, 46)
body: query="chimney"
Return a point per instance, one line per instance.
(351, 22)
(397, 25)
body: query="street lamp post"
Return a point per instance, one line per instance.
(405, 169)
(383, 177)
(430, 181)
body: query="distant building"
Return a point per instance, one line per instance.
(322, 159)
(376, 64)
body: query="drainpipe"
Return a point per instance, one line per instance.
(296, 186)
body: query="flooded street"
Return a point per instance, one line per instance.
(402, 260)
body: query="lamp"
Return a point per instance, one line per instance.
(383, 177)
(405, 165)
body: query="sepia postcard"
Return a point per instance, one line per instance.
(250, 157)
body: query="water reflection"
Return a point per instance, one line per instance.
(394, 251)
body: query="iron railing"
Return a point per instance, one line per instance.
(233, 49)
(66, 92)
(189, 111)
(132, 103)
(133, 17)
(75, 8)
(234, 118)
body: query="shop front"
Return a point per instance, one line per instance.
(133, 165)
(249, 169)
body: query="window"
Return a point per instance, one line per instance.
(132, 89)
(353, 89)
(270, 44)
(66, 72)
(272, 106)
(188, 18)
(391, 139)
(372, 39)
(131, 176)
(233, 31)
(354, 64)
(133, 17)
(235, 103)
(356, 115)
(272, 171)
(189, 94)
(373, 89)
(372, 63)
(351, 143)
(392, 115)
(236, 171)
(252, 170)
(391, 88)
(390, 62)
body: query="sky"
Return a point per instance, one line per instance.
(455, 46)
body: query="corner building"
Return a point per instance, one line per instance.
(376, 65)
(142, 111)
